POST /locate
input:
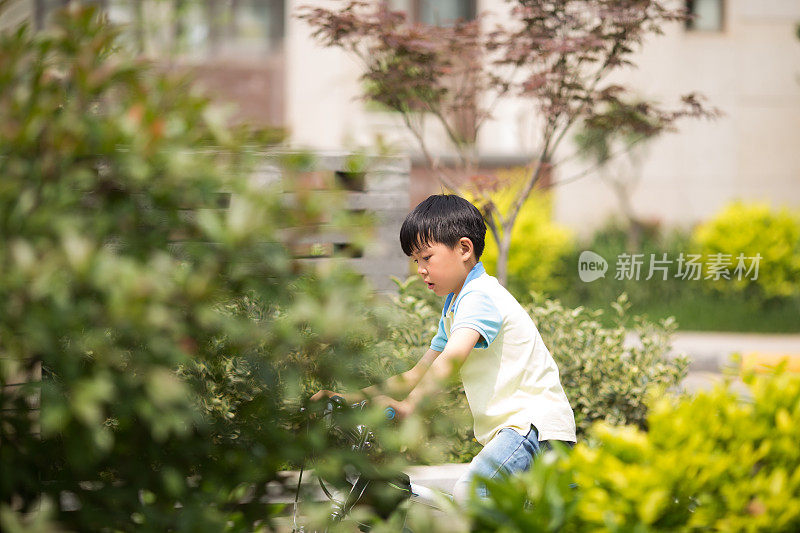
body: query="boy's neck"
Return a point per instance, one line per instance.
(468, 266)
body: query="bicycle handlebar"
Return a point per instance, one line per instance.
(339, 402)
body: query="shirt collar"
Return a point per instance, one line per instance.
(477, 271)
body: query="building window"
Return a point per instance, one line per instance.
(194, 28)
(436, 12)
(43, 9)
(707, 15)
(236, 27)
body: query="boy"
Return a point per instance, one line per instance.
(510, 379)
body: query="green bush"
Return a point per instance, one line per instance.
(172, 336)
(605, 377)
(610, 241)
(712, 462)
(693, 303)
(751, 229)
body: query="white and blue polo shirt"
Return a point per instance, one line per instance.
(510, 378)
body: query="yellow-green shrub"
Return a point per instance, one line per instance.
(751, 229)
(539, 246)
(713, 462)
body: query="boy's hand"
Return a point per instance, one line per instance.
(324, 394)
(401, 409)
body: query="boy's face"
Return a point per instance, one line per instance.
(443, 268)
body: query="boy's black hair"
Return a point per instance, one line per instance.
(443, 218)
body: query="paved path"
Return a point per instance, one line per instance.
(712, 351)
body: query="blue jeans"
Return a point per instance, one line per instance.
(506, 453)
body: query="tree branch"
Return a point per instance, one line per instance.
(587, 171)
(433, 163)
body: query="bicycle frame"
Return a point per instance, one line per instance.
(361, 440)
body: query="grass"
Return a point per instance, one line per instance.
(703, 313)
(694, 308)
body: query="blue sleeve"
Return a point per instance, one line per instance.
(477, 311)
(440, 340)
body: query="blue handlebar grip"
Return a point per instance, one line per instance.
(390, 413)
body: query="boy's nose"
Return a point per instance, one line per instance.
(420, 270)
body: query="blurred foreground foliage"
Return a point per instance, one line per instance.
(156, 337)
(711, 462)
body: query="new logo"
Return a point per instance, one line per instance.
(591, 266)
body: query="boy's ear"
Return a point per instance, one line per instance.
(465, 247)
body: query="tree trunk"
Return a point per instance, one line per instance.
(178, 26)
(138, 25)
(503, 247)
(635, 228)
(39, 13)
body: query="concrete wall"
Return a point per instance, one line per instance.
(384, 195)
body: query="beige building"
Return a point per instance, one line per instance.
(749, 67)
(234, 47)
(743, 55)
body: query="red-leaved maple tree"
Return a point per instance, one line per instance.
(557, 56)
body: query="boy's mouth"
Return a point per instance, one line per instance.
(430, 285)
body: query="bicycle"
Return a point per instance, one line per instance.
(384, 493)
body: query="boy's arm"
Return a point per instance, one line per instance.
(400, 385)
(458, 347)
(396, 386)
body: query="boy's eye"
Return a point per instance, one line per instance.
(426, 258)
